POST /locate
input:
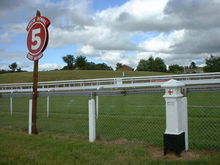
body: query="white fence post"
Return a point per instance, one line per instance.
(48, 105)
(92, 125)
(30, 117)
(97, 107)
(11, 104)
(185, 121)
(176, 133)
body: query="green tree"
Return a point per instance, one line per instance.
(69, 60)
(93, 66)
(142, 65)
(159, 65)
(81, 62)
(103, 66)
(152, 64)
(118, 66)
(13, 66)
(90, 66)
(192, 65)
(212, 64)
(176, 68)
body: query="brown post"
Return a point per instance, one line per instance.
(35, 93)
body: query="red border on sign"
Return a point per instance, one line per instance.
(45, 22)
(33, 58)
(45, 38)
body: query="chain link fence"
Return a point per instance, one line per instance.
(204, 120)
(134, 117)
(130, 117)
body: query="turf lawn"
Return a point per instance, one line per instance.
(22, 77)
(135, 119)
(19, 148)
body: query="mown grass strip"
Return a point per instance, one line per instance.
(19, 148)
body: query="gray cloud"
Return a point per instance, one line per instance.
(200, 19)
(193, 14)
(110, 32)
(177, 14)
(6, 4)
(199, 41)
(12, 55)
(63, 13)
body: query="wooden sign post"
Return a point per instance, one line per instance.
(34, 98)
(37, 40)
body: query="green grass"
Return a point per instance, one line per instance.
(21, 77)
(19, 148)
(134, 117)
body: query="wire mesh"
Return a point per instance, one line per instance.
(19, 117)
(204, 120)
(131, 117)
(68, 115)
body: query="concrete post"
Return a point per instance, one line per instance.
(11, 104)
(176, 133)
(48, 105)
(97, 107)
(30, 118)
(92, 125)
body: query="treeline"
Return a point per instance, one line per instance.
(158, 65)
(13, 68)
(151, 64)
(80, 63)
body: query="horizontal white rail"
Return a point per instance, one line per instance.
(116, 86)
(121, 82)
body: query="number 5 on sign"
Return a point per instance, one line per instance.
(37, 37)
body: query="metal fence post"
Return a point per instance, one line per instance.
(92, 125)
(176, 133)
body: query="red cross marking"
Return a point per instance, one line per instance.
(170, 91)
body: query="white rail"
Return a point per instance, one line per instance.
(121, 82)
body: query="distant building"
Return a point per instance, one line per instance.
(196, 70)
(125, 68)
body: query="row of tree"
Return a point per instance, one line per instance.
(13, 68)
(151, 64)
(212, 65)
(81, 63)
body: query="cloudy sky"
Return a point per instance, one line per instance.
(111, 31)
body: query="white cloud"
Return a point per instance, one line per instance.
(100, 37)
(11, 55)
(137, 15)
(138, 9)
(23, 65)
(163, 42)
(87, 50)
(16, 28)
(5, 38)
(50, 66)
(186, 30)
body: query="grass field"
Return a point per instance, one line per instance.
(135, 117)
(20, 77)
(18, 148)
(129, 128)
